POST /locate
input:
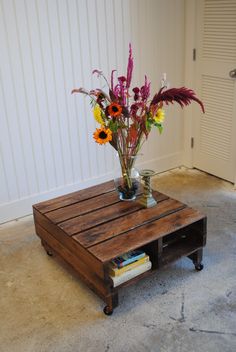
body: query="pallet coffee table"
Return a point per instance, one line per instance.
(88, 228)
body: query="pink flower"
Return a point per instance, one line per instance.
(145, 90)
(129, 68)
(136, 90)
(122, 79)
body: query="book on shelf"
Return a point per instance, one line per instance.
(128, 275)
(128, 258)
(115, 271)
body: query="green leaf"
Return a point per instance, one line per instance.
(92, 103)
(160, 128)
(148, 125)
(113, 126)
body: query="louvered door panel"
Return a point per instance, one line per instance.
(219, 36)
(216, 124)
(215, 146)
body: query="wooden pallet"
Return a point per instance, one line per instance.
(88, 228)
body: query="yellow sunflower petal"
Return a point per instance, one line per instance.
(102, 135)
(160, 116)
(97, 113)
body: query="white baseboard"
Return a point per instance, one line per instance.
(23, 207)
(164, 163)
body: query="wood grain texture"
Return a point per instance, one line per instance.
(134, 220)
(103, 215)
(99, 216)
(74, 197)
(80, 208)
(86, 273)
(66, 241)
(143, 235)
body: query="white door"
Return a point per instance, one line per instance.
(215, 131)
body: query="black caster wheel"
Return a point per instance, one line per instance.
(107, 310)
(199, 267)
(50, 254)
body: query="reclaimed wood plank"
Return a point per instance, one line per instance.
(131, 221)
(76, 209)
(84, 272)
(86, 206)
(73, 246)
(103, 215)
(74, 197)
(181, 248)
(143, 235)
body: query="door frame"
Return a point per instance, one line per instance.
(190, 80)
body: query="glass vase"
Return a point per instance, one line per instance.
(126, 177)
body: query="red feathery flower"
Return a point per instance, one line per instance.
(183, 96)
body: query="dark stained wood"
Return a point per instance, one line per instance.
(131, 221)
(74, 197)
(86, 274)
(80, 208)
(181, 248)
(112, 300)
(98, 217)
(83, 207)
(154, 250)
(101, 216)
(87, 229)
(196, 257)
(116, 246)
(85, 257)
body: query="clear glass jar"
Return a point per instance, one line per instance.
(127, 179)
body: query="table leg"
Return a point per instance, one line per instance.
(47, 248)
(112, 302)
(196, 258)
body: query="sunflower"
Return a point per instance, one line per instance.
(97, 113)
(102, 135)
(114, 109)
(160, 116)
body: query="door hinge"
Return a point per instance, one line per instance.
(192, 142)
(194, 54)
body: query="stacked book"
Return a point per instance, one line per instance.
(128, 266)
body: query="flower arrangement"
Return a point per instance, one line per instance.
(126, 116)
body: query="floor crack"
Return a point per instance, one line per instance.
(213, 332)
(182, 315)
(149, 325)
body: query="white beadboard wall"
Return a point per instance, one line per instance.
(49, 47)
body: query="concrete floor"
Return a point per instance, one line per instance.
(43, 308)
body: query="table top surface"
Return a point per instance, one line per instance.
(107, 227)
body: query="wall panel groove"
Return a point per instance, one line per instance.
(49, 47)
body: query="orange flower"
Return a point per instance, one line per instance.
(102, 135)
(114, 109)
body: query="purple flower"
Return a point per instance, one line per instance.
(129, 67)
(145, 90)
(136, 90)
(122, 79)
